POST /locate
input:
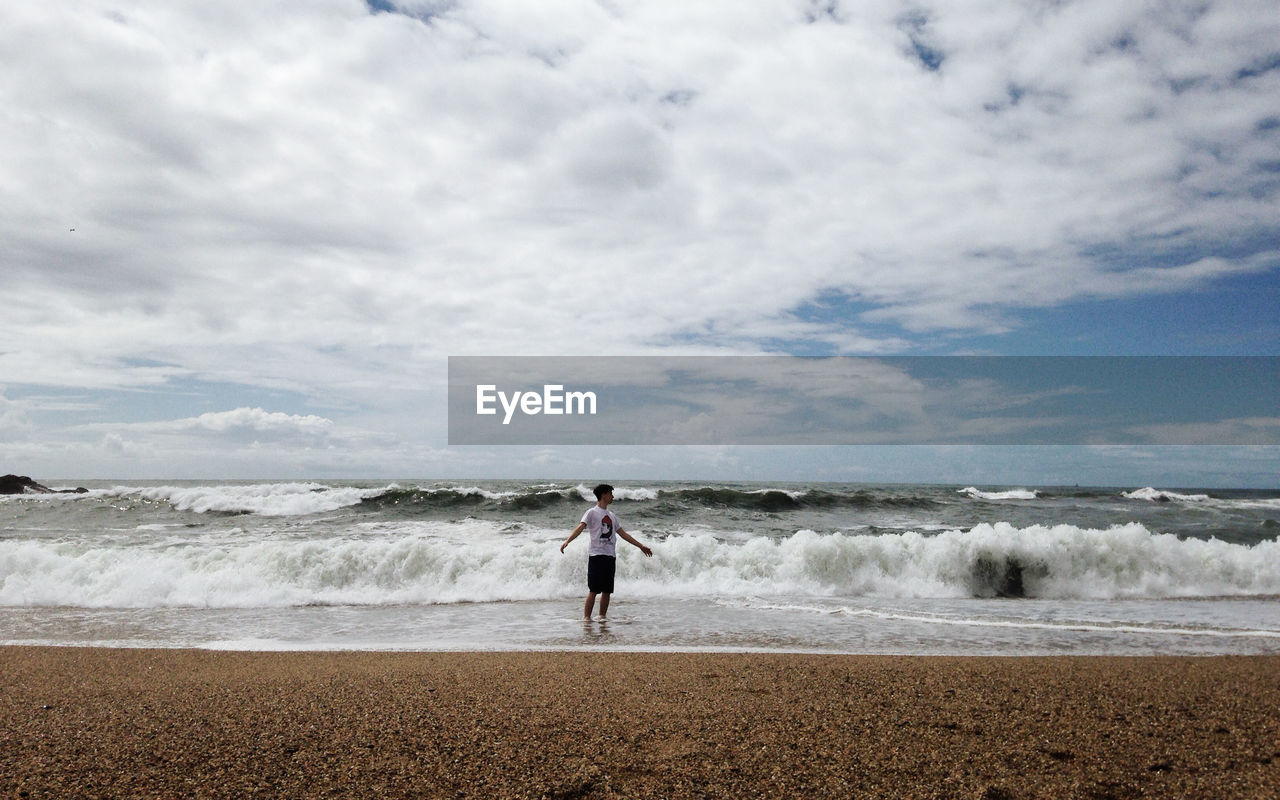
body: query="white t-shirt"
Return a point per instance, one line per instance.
(603, 526)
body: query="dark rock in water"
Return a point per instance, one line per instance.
(21, 484)
(998, 577)
(1012, 584)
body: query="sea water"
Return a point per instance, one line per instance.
(475, 565)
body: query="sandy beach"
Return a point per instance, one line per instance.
(83, 722)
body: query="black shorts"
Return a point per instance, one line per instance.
(600, 571)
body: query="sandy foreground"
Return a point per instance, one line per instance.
(82, 722)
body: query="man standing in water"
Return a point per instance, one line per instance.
(602, 525)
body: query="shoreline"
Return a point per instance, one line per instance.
(87, 721)
(293, 648)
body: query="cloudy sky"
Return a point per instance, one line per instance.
(241, 239)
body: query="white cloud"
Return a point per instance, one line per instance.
(243, 441)
(1244, 431)
(235, 429)
(14, 422)
(247, 419)
(116, 445)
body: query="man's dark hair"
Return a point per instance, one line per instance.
(601, 489)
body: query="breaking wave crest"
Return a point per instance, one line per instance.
(1162, 496)
(1201, 500)
(264, 499)
(307, 498)
(298, 499)
(440, 562)
(1012, 494)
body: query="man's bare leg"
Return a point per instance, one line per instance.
(591, 603)
(604, 605)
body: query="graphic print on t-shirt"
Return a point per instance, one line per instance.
(603, 526)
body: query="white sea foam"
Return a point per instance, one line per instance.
(1260, 502)
(265, 499)
(474, 491)
(794, 494)
(42, 497)
(1161, 495)
(990, 622)
(441, 562)
(1012, 494)
(619, 493)
(638, 493)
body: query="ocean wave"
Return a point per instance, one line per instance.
(1012, 494)
(264, 499)
(475, 562)
(1163, 496)
(530, 498)
(674, 501)
(779, 500)
(637, 494)
(298, 499)
(993, 622)
(1261, 502)
(757, 500)
(1225, 503)
(666, 502)
(466, 497)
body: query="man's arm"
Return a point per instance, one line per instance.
(627, 536)
(573, 535)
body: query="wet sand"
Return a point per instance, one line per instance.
(84, 722)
